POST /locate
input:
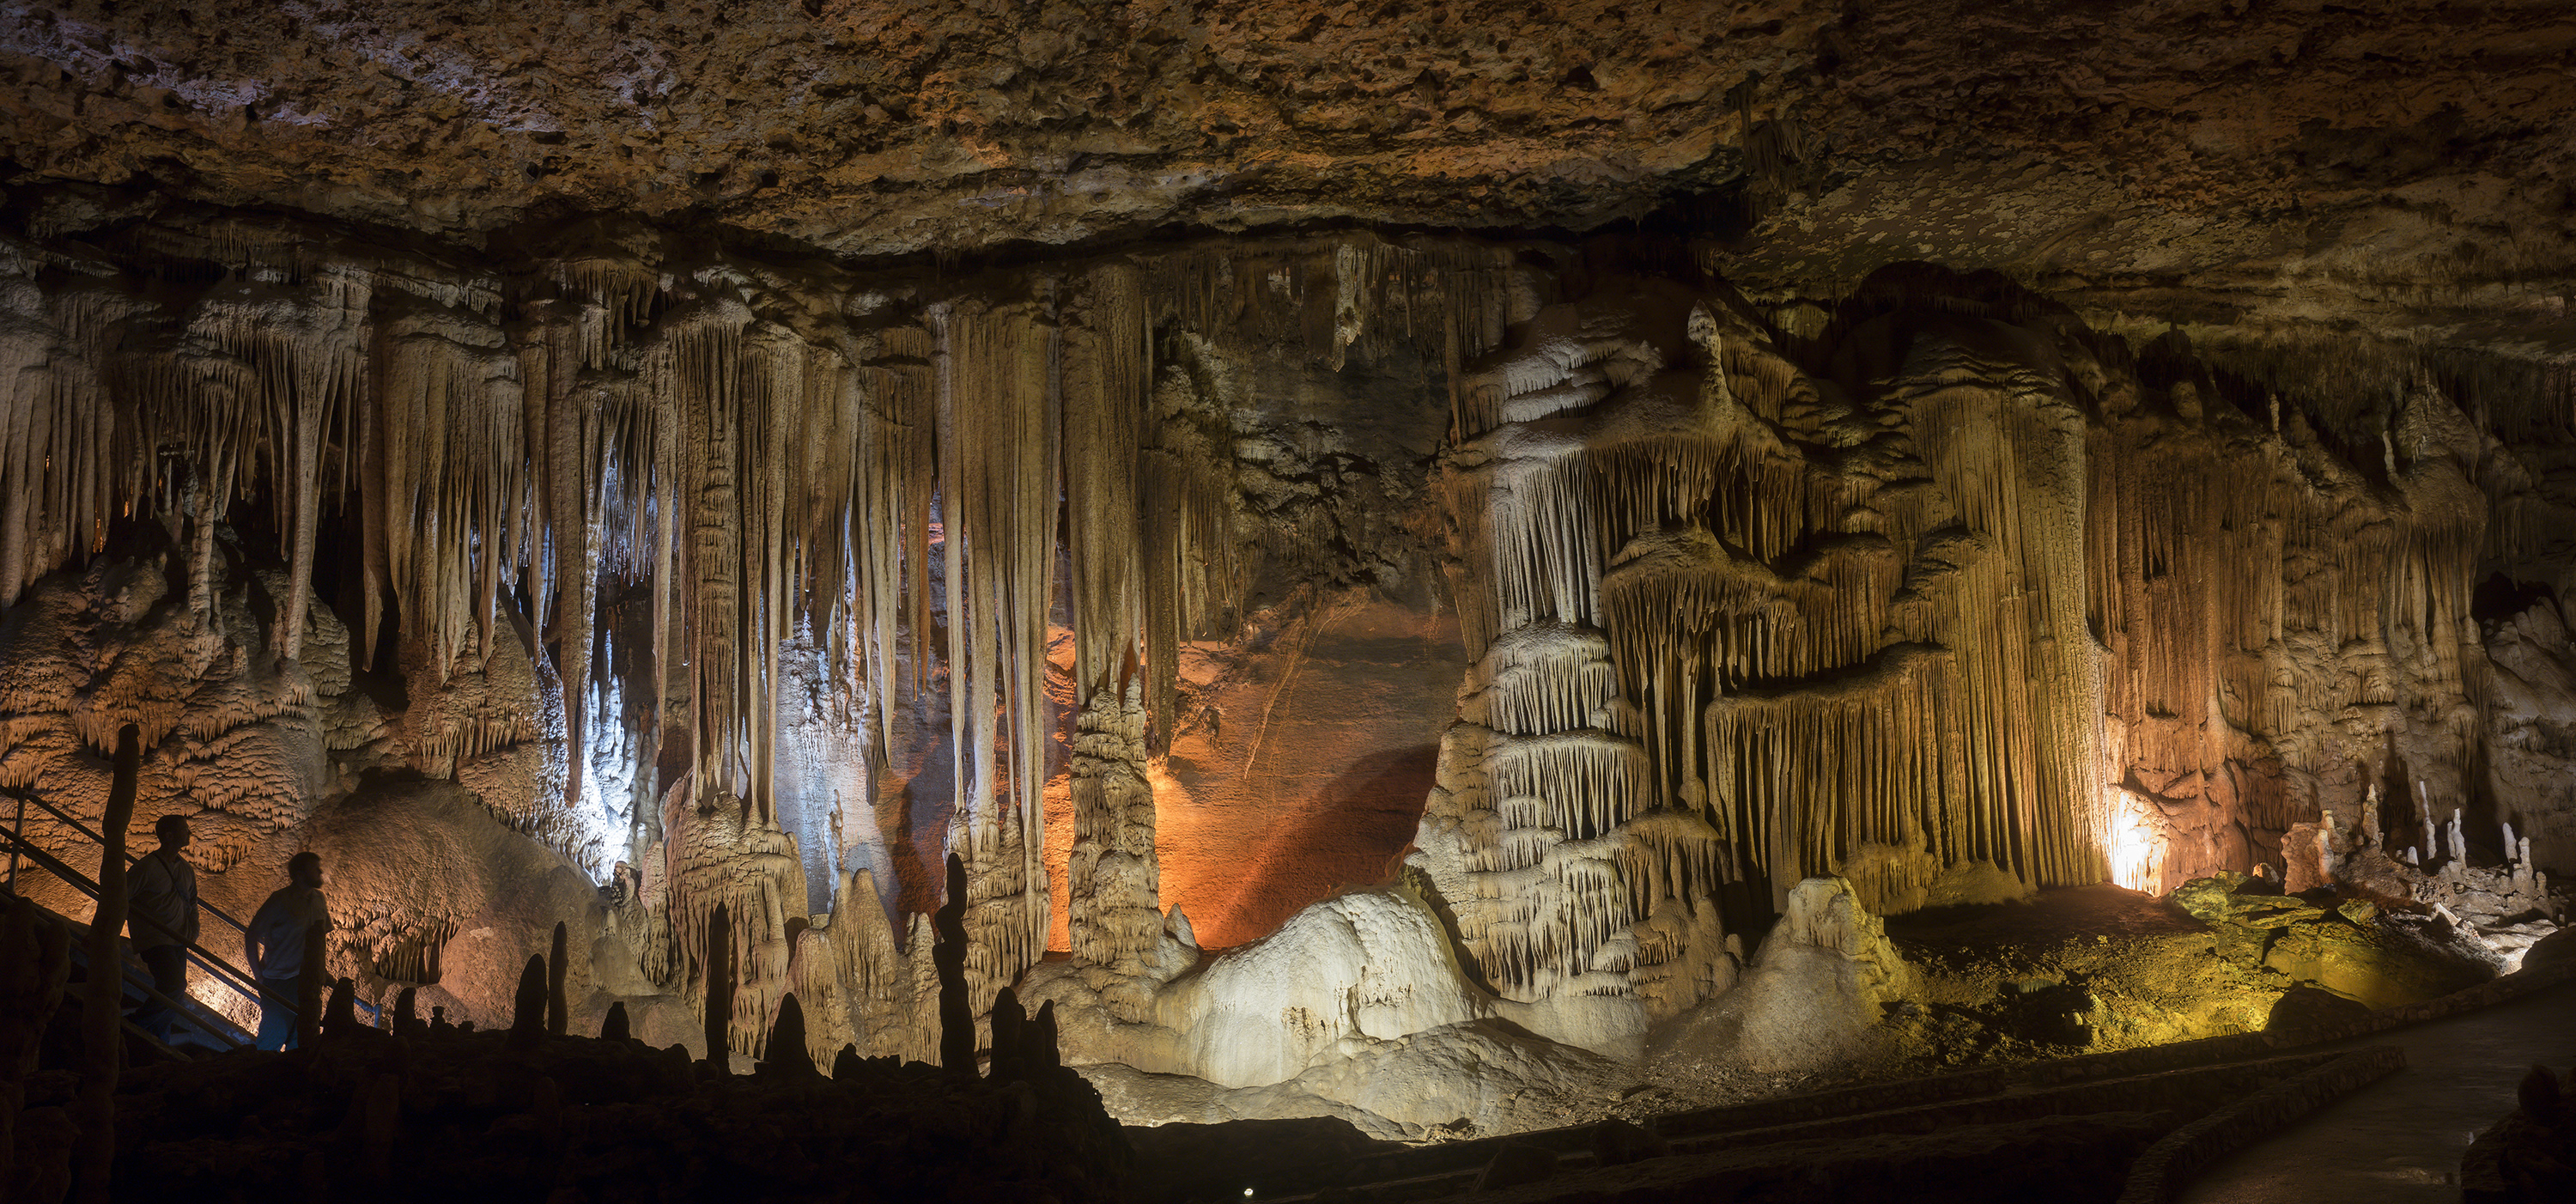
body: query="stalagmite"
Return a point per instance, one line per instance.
(1113, 898)
(784, 1051)
(956, 1015)
(528, 1011)
(999, 418)
(557, 963)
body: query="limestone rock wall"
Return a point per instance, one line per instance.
(766, 583)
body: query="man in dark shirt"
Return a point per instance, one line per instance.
(274, 946)
(161, 910)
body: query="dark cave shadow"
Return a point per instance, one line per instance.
(1369, 813)
(915, 822)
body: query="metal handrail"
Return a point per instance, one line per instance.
(224, 972)
(240, 982)
(134, 982)
(131, 859)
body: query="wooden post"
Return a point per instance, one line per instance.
(308, 989)
(102, 1010)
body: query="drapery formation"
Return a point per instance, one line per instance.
(754, 458)
(1943, 582)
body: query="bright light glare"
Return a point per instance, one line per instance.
(607, 806)
(2137, 851)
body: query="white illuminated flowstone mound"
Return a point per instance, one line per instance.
(1811, 997)
(1355, 1007)
(1360, 967)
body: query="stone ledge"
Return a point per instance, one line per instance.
(2186, 1151)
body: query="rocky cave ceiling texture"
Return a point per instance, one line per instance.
(1487, 497)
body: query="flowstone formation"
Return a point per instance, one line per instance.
(714, 598)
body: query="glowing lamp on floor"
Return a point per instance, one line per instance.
(2137, 841)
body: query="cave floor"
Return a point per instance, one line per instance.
(2401, 1139)
(2074, 970)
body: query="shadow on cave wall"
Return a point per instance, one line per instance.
(1355, 838)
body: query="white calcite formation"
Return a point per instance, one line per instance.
(1814, 992)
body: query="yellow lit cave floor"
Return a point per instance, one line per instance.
(2097, 968)
(2108, 968)
(2075, 971)
(1980, 1088)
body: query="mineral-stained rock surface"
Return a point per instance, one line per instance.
(1390, 540)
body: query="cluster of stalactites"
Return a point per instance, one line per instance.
(1794, 691)
(1807, 776)
(2008, 451)
(1691, 622)
(2250, 591)
(716, 866)
(256, 382)
(1544, 785)
(649, 422)
(1544, 678)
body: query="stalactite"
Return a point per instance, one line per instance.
(2009, 453)
(1192, 555)
(998, 409)
(1544, 678)
(891, 516)
(448, 400)
(1801, 777)
(1107, 376)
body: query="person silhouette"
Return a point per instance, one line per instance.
(274, 946)
(161, 916)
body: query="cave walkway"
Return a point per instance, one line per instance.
(2399, 1140)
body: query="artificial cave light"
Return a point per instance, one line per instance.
(2136, 853)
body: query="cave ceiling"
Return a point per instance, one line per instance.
(2257, 169)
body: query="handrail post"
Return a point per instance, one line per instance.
(17, 828)
(102, 1012)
